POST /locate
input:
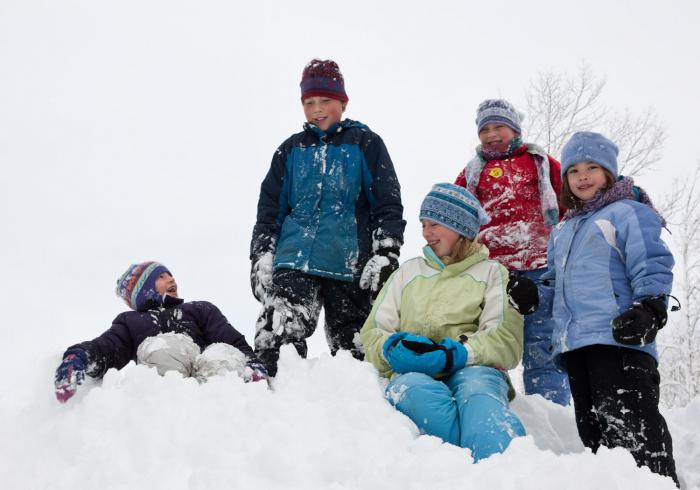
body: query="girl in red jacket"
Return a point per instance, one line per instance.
(518, 185)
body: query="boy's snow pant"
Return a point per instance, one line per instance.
(540, 375)
(616, 401)
(178, 352)
(291, 309)
(468, 409)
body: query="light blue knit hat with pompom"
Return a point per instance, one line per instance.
(455, 208)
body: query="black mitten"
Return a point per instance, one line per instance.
(639, 324)
(522, 294)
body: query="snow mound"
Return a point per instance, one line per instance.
(324, 425)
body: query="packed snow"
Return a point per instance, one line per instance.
(141, 130)
(323, 424)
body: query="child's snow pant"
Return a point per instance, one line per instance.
(291, 309)
(540, 375)
(616, 401)
(178, 352)
(468, 409)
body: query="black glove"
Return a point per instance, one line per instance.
(639, 324)
(378, 269)
(522, 294)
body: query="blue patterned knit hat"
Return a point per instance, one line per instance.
(586, 146)
(138, 284)
(497, 111)
(455, 208)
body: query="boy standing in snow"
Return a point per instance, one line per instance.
(612, 276)
(164, 332)
(329, 225)
(518, 184)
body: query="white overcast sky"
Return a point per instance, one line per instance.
(141, 130)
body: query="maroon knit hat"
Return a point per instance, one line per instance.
(323, 78)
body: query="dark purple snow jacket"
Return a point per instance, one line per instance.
(200, 320)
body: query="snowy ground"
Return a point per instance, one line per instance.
(325, 425)
(141, 130)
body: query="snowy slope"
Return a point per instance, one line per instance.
(325, 425)
(141, 130)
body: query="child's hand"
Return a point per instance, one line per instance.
(458, 353)
(70, 374)
(407, 353)
(378, 269)
(522, 294)
(261, 275)
(399, 356)
(255, 372)
(639, 324)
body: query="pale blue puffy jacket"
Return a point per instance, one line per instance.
(602, 262)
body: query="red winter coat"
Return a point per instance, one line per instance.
(508, 190)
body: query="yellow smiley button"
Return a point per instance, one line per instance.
(496, 172)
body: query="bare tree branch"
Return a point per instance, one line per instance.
(559, 104)
(681, 366)
(640, 139)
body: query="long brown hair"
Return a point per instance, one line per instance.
(463, 248)
(569, 201)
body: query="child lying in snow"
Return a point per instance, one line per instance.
(164, 332)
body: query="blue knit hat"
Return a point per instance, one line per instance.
(454, 207)
(138, 284)
(497, 111)
(586, 146)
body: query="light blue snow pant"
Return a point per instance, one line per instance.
(540, 375)
(468, 409)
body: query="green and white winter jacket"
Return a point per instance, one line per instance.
(463, 300)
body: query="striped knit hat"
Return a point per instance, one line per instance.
(454, 207)
(323, 78)
(497, 111)
(138, 284)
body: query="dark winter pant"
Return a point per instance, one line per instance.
(540, 375)
(291, 309)
(616, 401)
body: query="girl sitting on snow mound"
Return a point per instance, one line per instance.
(164, 332)
(444, 330)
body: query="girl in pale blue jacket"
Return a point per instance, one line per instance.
(612, 277)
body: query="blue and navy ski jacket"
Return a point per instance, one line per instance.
(200, 320)
(328, 198)
(603, 261)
